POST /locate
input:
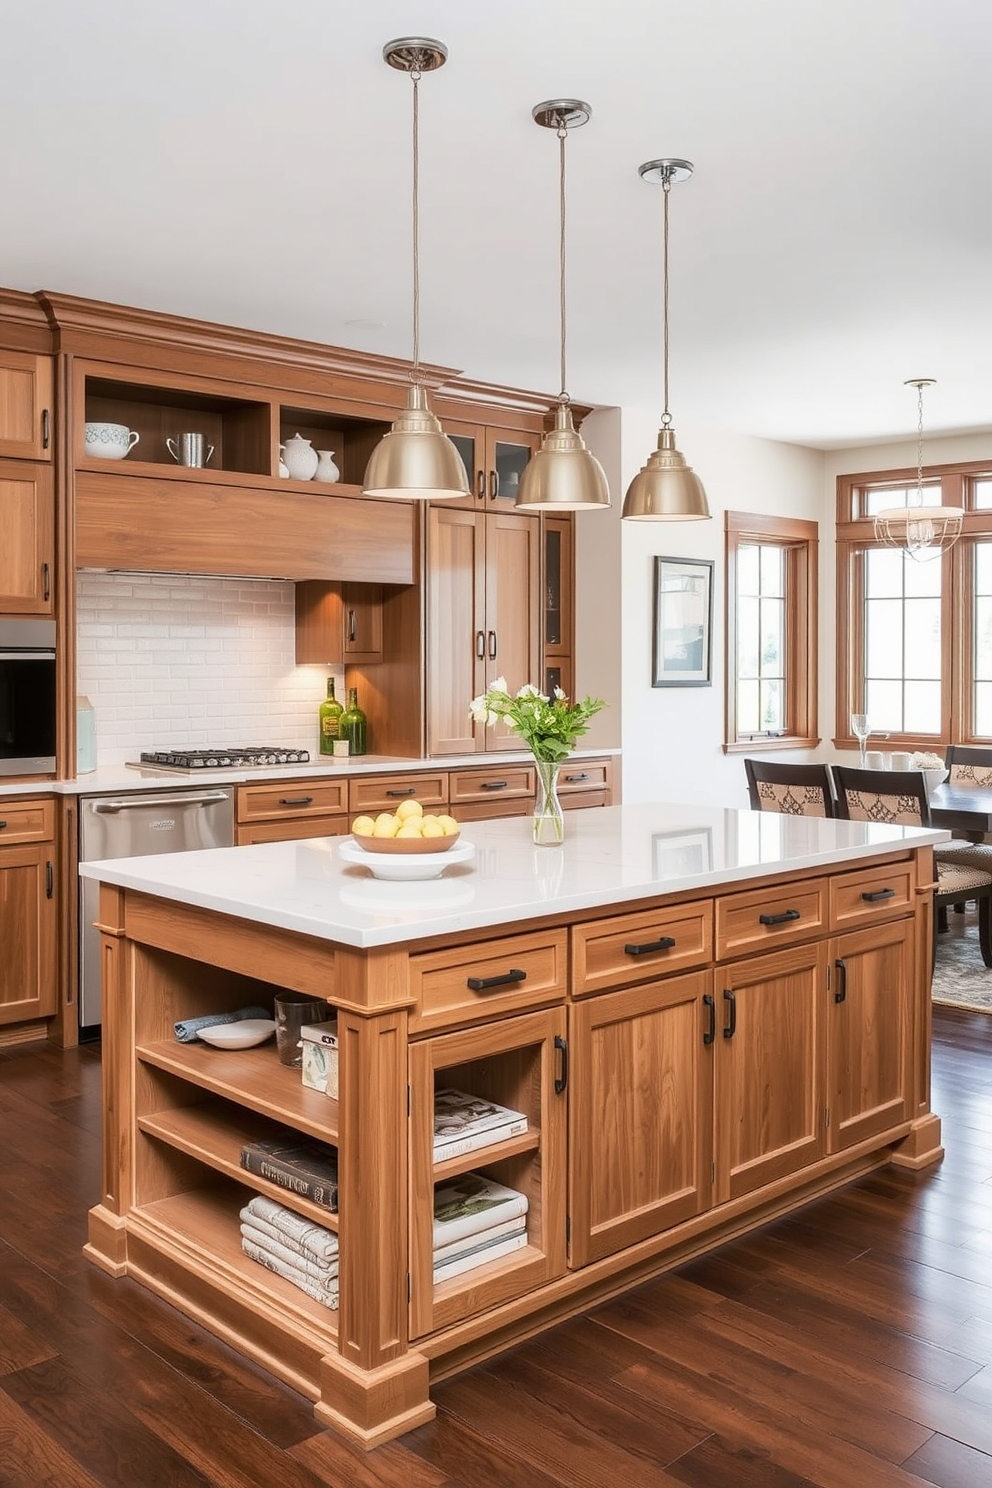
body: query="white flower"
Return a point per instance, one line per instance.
(560, 693)
(480, 711)
(529, 690)
(498, 684)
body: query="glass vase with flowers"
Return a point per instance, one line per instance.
(549, 726)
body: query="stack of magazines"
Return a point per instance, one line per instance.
(463, 1123)
(476, 1220)
(294, 1248)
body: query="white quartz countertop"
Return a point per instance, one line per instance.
(612, 855)
(112, 779)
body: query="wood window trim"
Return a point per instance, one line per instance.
(801, 540)
(854, 536)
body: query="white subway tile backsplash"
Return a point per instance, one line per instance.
(169, 662)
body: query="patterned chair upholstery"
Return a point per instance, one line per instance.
(968, 766)
(796, 790)
(900, 797)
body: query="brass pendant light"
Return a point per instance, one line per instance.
(416, 459)
(923, 531)
(564, 475)
(666, 489)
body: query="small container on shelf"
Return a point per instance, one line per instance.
(320, 1057)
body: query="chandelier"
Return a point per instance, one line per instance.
(922, 531)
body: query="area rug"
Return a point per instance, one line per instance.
(961, 978)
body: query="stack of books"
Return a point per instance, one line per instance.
(302, 1165)
(294, 1248)
(463, 1123)
(476, 1220)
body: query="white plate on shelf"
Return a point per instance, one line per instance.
(405, 867)
(243, 1035)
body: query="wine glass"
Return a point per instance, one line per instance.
(861, 728)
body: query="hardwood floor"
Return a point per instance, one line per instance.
(847, 1347)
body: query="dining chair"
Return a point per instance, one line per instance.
(971, 767)
(900, 797)
(796, 790)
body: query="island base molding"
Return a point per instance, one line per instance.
(921, 1148)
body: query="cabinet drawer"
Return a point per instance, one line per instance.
(767, 918)
(292, 798)
(440, 980)
(871, 894)
(385, 792)
(583, 775)
(26, 821)
(624, 949)
(293, 829)
(498, 783)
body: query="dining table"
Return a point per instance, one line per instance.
(961, 807)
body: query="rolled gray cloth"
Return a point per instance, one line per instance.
(188, 1030)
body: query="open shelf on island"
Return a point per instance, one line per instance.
(253, 1078)
(214, 1133)
(206, 1223)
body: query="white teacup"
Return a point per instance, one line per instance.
(875, 760)
(109, 441)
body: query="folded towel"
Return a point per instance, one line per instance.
(188, 1030)
(296, 1231)
(321, 1272)
(328, 1295)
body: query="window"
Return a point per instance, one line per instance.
(914, 638)
(771, 632)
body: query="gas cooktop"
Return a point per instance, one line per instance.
(243, 756)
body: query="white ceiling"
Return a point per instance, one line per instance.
(248, 161)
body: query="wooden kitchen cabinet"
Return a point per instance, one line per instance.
(869, 1032)
(27, 538)
(289, 809)
(28, 923)
(26, 410)
(338, 623)
(483, 620)
(495, 460)
(557, 596)
(517, 1062)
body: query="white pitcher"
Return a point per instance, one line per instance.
(299, 458)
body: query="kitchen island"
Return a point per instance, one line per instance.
(709, 1017)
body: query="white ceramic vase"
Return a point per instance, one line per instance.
(299, 458)
(326, 468)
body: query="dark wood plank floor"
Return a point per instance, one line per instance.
(847, 1347)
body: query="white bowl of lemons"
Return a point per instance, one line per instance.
(408, 829)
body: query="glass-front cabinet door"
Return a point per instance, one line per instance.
(495, 460)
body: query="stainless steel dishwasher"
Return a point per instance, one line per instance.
(128, 826)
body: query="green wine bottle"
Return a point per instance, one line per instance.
(329, 714)
(354, 724)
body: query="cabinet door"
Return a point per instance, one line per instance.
(869, 1032)
(27, 538)
(507, 455)
(516, 1062)
(27, 932)
(641, 1113)
(456, 635)
(470, 442)
(513, 618)
(25, 406)
(769, 1068)
(338, 622)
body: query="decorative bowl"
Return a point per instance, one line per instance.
(109, 441)
(244, 1034)
(404, 867)
(403, 845)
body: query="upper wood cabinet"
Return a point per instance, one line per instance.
(557, 604)
(483, 619)
(338, 623)
(494, 460)
(25, 406)
(27, 538)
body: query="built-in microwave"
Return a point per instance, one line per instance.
(27, 697)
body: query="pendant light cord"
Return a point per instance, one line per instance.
(563, 396)
(415, 371)
(919, 444)
(666, 185)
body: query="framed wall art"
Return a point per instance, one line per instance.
(682, 654)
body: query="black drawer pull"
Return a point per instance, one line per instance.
(46, 580)
(561, 1081)
(46, 428)
(505, 979)
(879, 894)
(2, 825)
(731, 1000)
(574, 779)
(296, 800)
(781, 919)
(709, 1003)
(352, 626)
(664, 943)
(841, 992)
(493, 784)
(49, 881)
(411, 790)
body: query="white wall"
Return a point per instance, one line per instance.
(170, 661)
(672, 737)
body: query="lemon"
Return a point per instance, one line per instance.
(386, 825)
(363, 826)
(409, 829)
(432, 827)
(408, 809)
(448, 825)
(429, 819)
